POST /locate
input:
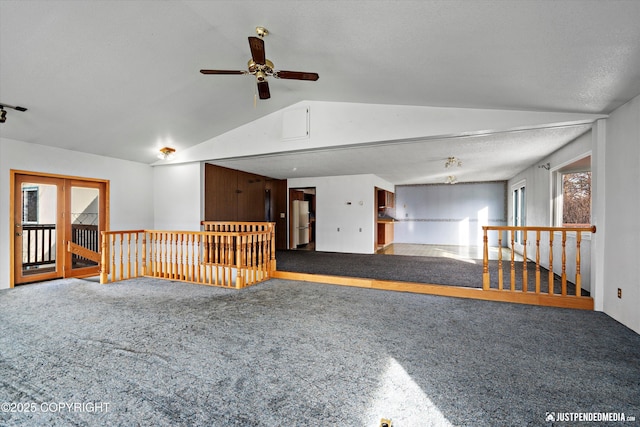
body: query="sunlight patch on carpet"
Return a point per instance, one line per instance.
(400, 399)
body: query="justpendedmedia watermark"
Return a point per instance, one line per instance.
(594, 417)
(55, 407)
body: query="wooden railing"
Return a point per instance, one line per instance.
(244, 227)
(547, 285)
(232, 259)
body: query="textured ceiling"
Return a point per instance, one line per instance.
(418, 161)
(121, 79)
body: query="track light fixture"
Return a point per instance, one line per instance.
(546, 166)
(3, 112)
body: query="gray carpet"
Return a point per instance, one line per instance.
(418, 269)
(289, 353)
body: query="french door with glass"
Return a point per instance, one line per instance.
(57, 223)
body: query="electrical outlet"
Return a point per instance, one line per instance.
(619, 293)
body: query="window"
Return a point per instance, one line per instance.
(519, 209)
(573, 201)
(576, 199)
(29, 204)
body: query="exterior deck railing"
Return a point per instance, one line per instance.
(38, 242)
(232, 259)
(542, 285)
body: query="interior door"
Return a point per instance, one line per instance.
(57, 225)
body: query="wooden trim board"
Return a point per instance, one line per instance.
(582, 303)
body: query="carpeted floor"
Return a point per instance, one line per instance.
(288, 353)
(418, 269)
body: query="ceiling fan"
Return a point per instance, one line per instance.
(260, 67)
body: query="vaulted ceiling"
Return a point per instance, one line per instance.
(121, 79)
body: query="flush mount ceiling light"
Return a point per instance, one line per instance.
(167, 153)
(452, 161)
(3, 112)
(451, 179)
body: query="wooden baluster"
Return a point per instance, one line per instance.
(121, 256)
(190, 257)
(198, 258)
(272, 230)
(525, 273)
(128, 271)
(104, 259)
(152, 254)
(156, 255)
(578, 275)
(218, 249)
(513, 262)
(160, 254)
(253, 247)
(135, 255)
(144, 253)
(172, 256)
(175, 244)
(185, 257)
(165, 264)
(239, 261)
(537, 261)
(486, 280)
(214, 248)
(551, 276)
(228, 262)
(114, 276)
(216, 269)
(564, 263)
(500, 272)
(266, 255)
(182, 240)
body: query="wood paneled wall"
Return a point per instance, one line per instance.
(233, 195)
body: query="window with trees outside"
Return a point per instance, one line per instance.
(576, 199)
(574, 189)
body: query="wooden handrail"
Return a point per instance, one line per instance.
(221, 258)
(590, 229)
(511, 231)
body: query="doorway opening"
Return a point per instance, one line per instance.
(302, 218)
(56, 226)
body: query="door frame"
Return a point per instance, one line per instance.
(62, 202)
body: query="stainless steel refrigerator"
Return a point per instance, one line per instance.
(300, 222)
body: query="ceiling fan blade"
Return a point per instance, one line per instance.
(256, 45)
(222, 72)
(263, 90)
(296, 75)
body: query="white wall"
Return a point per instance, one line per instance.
(177, 196)
(539, 206)
(622, 198)
(448, 214)
(131, 185)
(345, 211)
